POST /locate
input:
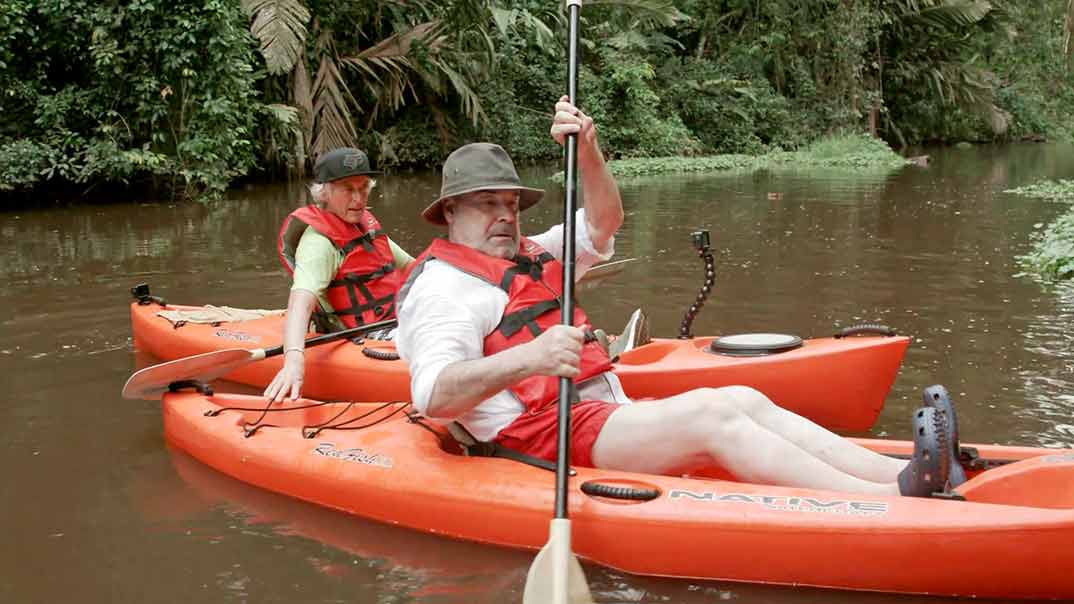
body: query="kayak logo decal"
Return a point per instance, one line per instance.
(784, 503)
(240, 336)
(354, 455)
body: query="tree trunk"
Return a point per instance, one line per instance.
(1068, 40)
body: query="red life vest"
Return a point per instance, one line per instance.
(533, 281)
(363, 289)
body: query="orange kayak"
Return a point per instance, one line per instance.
(839, 383)
(1008, 538)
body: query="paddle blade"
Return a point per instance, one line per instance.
(556, 576)
(599, 273)
(606, 269)
(151, 382)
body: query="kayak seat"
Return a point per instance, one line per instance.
(635, 334)
(1043, 482)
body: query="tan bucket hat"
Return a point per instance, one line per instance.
(479, 167)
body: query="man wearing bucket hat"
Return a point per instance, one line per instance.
(345, 269)
(479, 326)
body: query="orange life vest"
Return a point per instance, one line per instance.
(533, 281)
(363, 289)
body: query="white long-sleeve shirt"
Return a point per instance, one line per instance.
(447, 314)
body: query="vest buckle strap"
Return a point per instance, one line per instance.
(378, 306)
(524, 265)
(365, 277)
(527, 317)
(365, 240)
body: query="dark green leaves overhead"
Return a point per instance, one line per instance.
(183, 98)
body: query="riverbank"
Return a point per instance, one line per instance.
(850, 151)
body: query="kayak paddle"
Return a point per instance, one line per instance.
(606, 269)
(151, 382)
(556, 575)
(597, 274)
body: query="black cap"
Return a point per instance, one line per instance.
(341, 163)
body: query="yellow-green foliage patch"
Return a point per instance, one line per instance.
(1054, 190)
(1052, 257)
(851, 152)
(1053, 250)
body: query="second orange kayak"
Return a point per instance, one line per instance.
(839, 383)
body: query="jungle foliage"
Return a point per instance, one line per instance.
(1052, 256)
(857, 152)
(186, 97)
(1056, 190)
(146, 92)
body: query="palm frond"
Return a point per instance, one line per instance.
(430, 34)
(285, 115)
(504, 18)
(950, 14)
(333, 123)
(644, 42)
(651, 13)
(280, 27)
(391, 68)
(471, 102)
(528, 25)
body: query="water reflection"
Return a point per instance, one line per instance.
(929, 251)
(1049, 397)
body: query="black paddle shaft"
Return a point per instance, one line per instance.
(339, 335)
(563, 450)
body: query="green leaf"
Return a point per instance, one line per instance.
(280, 27)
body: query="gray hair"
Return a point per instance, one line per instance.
(319, 191)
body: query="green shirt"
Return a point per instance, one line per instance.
(317, 261)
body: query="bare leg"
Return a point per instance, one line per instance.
(690, 431)
(830, 448)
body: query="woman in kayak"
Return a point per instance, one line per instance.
(479, 327)
(345, 269)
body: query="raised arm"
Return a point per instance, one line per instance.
(603, 205)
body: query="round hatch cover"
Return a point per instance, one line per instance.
(755, 344)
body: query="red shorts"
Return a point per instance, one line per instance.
(536, 433)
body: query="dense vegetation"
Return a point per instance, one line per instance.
(849, 151)
(1052, 256)
(185, 97)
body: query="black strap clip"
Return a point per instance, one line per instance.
(195, 385)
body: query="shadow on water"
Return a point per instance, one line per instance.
(102, 506)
